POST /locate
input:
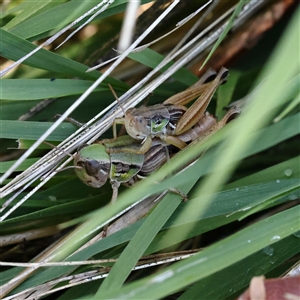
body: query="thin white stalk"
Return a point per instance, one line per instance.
(49, 254)
(142, 47)
(101, 276)
(50, 40)
(129, 218)
(109, 2)
(11, 199)
(117, 112)
(190, 32)
(128, 25)
(57, 264)
(29, 235)
(85, 94)
(133, 101)
(293, 271)
(50, 284)
(29, 194)
(85, 277)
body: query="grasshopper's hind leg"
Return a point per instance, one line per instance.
(174, 141)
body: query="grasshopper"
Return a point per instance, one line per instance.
(120, 160)
(108, 159)
(167, 121)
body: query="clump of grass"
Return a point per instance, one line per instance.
(243, 192)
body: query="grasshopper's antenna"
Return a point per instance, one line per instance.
(57, 148)
(67, 153)
(116, 97)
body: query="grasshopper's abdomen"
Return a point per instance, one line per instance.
(200, 128)
(154, 158)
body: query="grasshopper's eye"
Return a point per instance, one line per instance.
(210, 78)
(93, 172)
(225, 74)
(92, 167)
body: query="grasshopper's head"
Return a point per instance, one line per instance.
(136, 124)
(92, 165)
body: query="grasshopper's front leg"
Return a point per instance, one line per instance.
(117, 121)
(144, 145)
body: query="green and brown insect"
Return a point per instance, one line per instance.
(121, 161)
(167, 121)
(116, 160)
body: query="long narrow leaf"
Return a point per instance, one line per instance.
(213, 259)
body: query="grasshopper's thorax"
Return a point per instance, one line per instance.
(153, 121)
(125, 164)
(94, 165)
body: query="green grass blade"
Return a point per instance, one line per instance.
(34, 89)
(29, 9)
(138, 245)
(151, 59)
(33, 130)
(5, 165)
(226, 30)
(14, 48)
(242, 271)
(209, 261)
(36, 25)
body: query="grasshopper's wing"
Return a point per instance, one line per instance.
(196, 111)
(188, 95)
(193, 91)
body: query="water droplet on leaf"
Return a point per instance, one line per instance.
(288, 172)
(269, 250)
(275, 238)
